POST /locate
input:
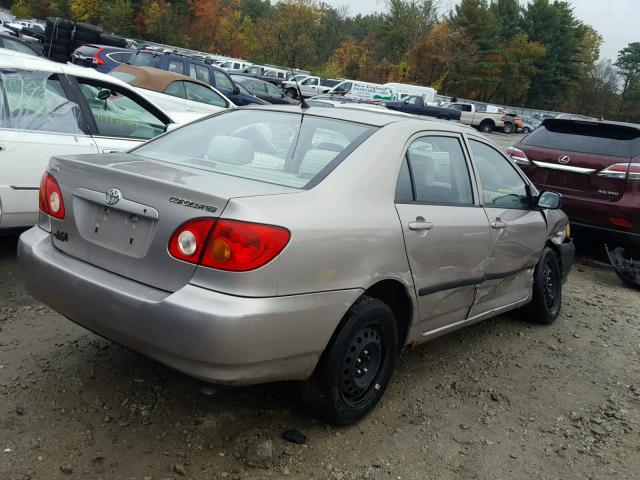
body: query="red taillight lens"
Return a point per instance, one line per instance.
(231, 245)
(96, 57)
(518, 156)
(50, 197)
(188, 241)
(621, 171)
(621, 222)
(241, 246)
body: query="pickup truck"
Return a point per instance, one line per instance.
(416, 105)
(309, 87)
(486, 122)
(269, 74)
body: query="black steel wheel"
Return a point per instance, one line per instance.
(356, 367)
(486, 126)
(508, 127)
(546, 296)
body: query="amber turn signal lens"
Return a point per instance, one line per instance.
(220, 250)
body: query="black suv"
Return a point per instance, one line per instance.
(195, 68)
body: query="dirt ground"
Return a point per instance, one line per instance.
(499, 400)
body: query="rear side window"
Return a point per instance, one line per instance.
(202, 94)
(176, 66)
(287, 149)
(32, 100)
(144, 59)
(176, 89)
(199, 72)
(86, 51)
(222, 81)
(586, 137)
(438, 172)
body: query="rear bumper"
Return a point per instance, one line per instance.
(208, 335)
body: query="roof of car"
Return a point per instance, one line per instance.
(376, 118)
(107, 47)
(244, 78)
(592, 121)
(154, 79)
(11, 59)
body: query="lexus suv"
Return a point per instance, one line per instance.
(596, 166)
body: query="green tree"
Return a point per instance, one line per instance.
(629, 64)
(116, 17)
(22, 9)
(507, 13)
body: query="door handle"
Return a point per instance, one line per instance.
(497, 223)
(191, 109)
(106, 150)
(420, 224)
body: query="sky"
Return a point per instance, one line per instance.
(615, 20)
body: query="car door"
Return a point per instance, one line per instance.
(412, 105)
(274, 94)
(177, 90)
(518, 230)
(38, 119)
(121, 121)
(446, 232)
(202, 99)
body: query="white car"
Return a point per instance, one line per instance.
(173, 92)
(47, 108)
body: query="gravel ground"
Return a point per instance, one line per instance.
(499, 400)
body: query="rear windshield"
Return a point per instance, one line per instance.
(584, 137)
(287, 149)
(145, 59)
(86, 50)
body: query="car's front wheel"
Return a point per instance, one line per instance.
(356, 367)
(547, 289)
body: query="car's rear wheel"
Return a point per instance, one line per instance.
(486, 126)
(508, 128)
(443, 117)
(356, 367)
(292, 93)
(526, 130)
(547, 290)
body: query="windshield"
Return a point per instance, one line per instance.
(287, 149)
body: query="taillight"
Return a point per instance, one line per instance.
(50, 197)
(96, 57)
(188, 241)
(231, 245)
(518, 156)
(622, 171)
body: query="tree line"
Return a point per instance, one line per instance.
(536, 54)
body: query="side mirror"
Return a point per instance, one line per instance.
(236, 89)
(171, 127)
(104, 94)
(550, 200)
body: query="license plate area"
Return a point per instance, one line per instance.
(113, 229)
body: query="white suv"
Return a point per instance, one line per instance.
(46, 109)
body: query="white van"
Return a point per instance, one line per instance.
(233, 64)
(406, 90)
(363, 91)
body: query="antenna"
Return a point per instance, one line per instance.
(303, 103)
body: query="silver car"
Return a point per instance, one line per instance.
(281, 243)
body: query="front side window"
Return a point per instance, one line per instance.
(199, 72)
(438, 172)
(412, 100)
(202, 94)
(288, 149)
(502, 186)
(345, 87)
(223, 82)
(118, 113)
(273, 90)
(258, 87)
(310, 81)
(32, 100)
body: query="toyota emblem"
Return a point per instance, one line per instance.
(563, 159)
(113, 196)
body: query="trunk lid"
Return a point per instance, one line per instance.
(121, 211)
(567, 156)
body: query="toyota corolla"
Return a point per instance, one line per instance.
(314, 244)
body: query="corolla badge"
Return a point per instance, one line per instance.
(563, 159)
(113, 196)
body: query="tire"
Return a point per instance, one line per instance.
(59, 23)
(88, 28)
(57, 41)
(60, 58)
(443, 117)
(356, 366)
(57, 33)
(486, 126)
(508, 128)
(112, 41)
(57, 49)
(86, 37)
(292, 93)
(547, 282)
(526, 130)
